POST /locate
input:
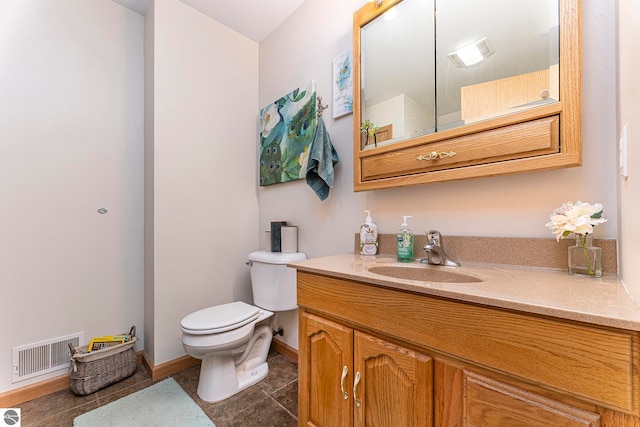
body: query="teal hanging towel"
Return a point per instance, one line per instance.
(322, 159)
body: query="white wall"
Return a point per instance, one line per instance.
(406, 117)
(516, 205)
(204, 204)
(629, 111)
(71, 133)
(71, 105)
(149, 188)
(388, 112)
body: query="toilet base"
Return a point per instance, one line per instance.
(223, 376)
(219, 387)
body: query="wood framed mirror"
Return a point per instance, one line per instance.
(517, 110)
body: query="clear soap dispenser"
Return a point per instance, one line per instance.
(405, 241)
(368, 236)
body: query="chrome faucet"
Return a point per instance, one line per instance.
(435, 251)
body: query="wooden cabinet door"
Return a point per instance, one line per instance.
(488, 402)
(395, 386)
(326, 348)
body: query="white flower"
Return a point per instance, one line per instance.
(303, 161)
(576, 218)
(269, 119)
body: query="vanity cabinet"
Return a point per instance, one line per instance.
(425, 360)
(349, 378)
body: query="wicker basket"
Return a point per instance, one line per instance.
(98, 369)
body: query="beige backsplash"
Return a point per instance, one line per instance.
(530, 252)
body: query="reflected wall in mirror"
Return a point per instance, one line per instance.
(515, 107)
(483, 59)
(398, 71)
(519, 68)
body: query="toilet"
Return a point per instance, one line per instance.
(233, 339)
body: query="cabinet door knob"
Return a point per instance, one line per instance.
(345, 371)
(355, 386)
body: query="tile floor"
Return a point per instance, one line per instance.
(273, 402)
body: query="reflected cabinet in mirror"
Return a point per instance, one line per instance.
(456, 89)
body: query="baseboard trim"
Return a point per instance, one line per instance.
(12, 398)
(20, 395)
(285, 350)
(169, 368)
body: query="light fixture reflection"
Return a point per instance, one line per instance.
(472, 54)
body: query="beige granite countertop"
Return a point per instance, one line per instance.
(602, 301)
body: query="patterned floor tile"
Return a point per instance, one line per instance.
(270, 403)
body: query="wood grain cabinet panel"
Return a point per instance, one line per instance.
(529, 139)
(348, 378)
(488, 402)
(596, 363)
(378, 356)
(327, 348)
(396, 384)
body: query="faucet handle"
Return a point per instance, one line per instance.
(434, 238)
(435, 251)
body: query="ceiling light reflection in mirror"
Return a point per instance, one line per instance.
(521, 72)
(407, 60)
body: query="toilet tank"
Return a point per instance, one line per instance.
(273, 283)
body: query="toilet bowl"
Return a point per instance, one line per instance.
(232, 346)
(233, 339)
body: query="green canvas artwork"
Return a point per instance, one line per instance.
(287, 127)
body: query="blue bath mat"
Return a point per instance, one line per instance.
(162, 404)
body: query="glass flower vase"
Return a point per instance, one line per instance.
(584, 258)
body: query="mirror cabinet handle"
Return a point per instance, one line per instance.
(434, 155)
(345, 371)
(355, 387)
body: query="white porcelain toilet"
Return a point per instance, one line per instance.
(233, 339)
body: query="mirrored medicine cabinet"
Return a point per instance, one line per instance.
(456, 89)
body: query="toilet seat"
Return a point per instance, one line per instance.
(219, 318)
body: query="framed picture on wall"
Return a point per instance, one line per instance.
(342, 84)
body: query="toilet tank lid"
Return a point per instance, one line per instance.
(269, 257)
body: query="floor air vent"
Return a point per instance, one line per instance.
(43, 357)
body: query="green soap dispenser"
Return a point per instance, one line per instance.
(405, 241)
